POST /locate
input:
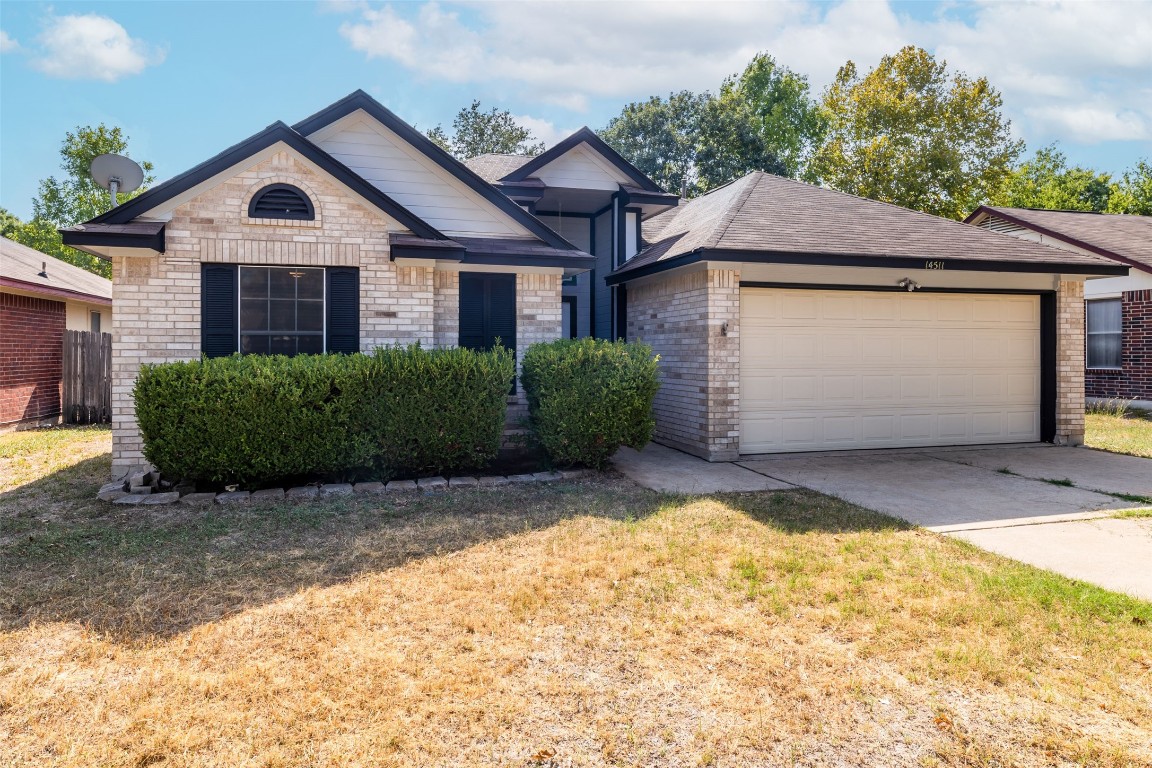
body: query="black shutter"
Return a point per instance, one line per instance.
(343, 310)
(487, 310)
(621, 312)
(219, 327)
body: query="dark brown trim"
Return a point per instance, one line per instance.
(55, 293)
(891, 288)
(1104, 252)
(858, 260)
(79, 238)
(1048, 367)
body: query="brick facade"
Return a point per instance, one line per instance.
(693, 322)
(157, 299)
(1070, 363)
(1134, 380)
(31, 357)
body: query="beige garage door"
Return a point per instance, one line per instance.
(837, 370)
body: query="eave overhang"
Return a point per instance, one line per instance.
(726, 255)
(100, 239)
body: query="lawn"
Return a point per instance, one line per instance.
(1127, 433)
(586, 623)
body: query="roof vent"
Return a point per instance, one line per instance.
(43, 269)
(281, 201)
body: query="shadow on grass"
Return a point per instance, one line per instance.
(142, 572)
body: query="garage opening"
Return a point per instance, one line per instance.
(844, 369)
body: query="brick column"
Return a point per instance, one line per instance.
(723, 328)
(446, 309)
(1070, 363)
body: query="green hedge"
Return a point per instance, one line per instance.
(255, 419)
(588, 397)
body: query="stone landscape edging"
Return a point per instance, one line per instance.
(144, 490)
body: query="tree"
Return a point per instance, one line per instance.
(8, 222)
(1133, 193)
(479, 133)
(910, 134)
(76, 197)
(1046, 181)
(661, 137)
(763, 120)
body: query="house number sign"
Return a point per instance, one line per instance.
(933, 265)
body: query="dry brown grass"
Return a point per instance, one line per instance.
(1128, 433)
(581, 624)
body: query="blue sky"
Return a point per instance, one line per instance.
(187, 79)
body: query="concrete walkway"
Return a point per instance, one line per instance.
(1001, 498)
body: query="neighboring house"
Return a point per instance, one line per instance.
(40, 297)
(1118, 361)
(774, 304)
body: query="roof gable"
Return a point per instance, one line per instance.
(229, 162)
(423, 146)
(597, 146)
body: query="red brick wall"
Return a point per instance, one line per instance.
(31, 337)
(1134, 381)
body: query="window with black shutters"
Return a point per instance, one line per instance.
(281, 201)
(487, 310)
(1104, 337)
(279, 310)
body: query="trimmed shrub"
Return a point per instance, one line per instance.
(588, 397)
(254, 419)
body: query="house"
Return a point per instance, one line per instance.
(351, 230)
(40, 297)
(1118, 312)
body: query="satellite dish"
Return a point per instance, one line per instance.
(116, 173)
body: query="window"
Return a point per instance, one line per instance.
(1104, 336)
(281, 201)
(279, 310)
(94, 322)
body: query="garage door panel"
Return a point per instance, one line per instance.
(823, 370)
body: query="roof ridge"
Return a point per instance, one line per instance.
(733, 210)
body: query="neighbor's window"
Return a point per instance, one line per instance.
(94, 322)
(1104, 337)
(281, 311)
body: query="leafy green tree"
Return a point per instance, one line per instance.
(1046, 181)
(8, 222)
(1133, 192)
(909, 133)
(661, 137)
(763, 120)
(76, 197)
(475, 132)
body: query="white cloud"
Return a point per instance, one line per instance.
(1072, 70)
(544, 130)
(92, 47)
(7, 43)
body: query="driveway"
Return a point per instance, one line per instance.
(1044, 505)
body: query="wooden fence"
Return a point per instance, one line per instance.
(87, 387)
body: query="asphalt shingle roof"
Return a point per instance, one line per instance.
(493, 167)
(19, 262)
(1126, 236)
(767, 213)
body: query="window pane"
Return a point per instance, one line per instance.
(1104, 316)
(254, 315)
(311, 284)
(253, 281)
(282, 315)
(282, 345)
(310, 316)
(1104, 350)
(254, 345)
(310, 345)
(283, 284)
